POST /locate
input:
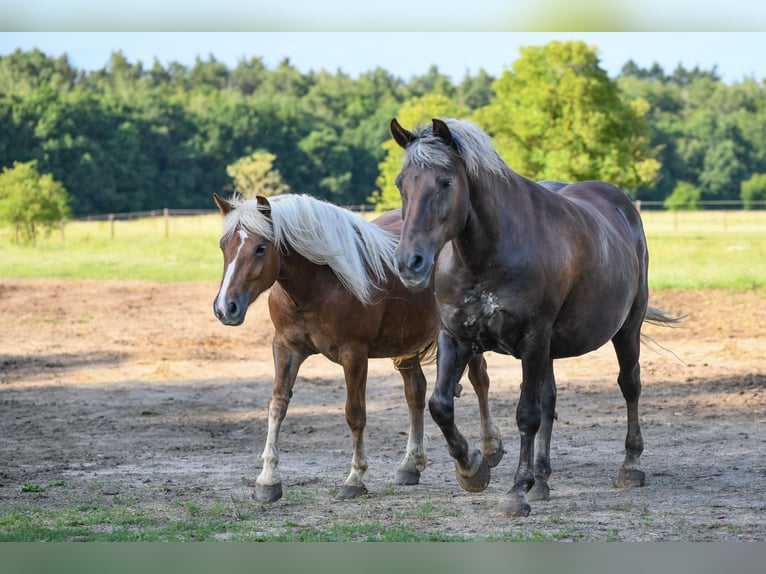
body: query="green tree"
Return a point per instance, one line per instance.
(255, 175)
(29, 200)
(416, 111)
(685, 196)
(754, 189)
(557, 115)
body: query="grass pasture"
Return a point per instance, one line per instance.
(689, 250)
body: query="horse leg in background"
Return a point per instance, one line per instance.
(470, 466)
(355, 370)
(268, 485)
(627, 345)
(540, 490)
(534, 365)
(414, 461)
(491, 443)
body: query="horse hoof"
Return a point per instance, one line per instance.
(268, 492)
(493, 459)
(539, 491)
(630, 477)
(514, 507)
(407, 477)
(478, 481)
(349, 492)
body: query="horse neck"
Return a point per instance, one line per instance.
(299, 277)
(500, 213)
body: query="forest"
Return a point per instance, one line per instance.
(137, 136)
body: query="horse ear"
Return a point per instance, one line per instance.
(401, 136)
(264, 205)
(441, 130)
(223, 205)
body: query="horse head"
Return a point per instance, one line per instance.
(435, 197)
(251, 262)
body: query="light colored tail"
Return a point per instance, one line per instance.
(426, 356)
(656, 316)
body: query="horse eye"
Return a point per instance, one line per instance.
(445, 183)
(260, 249)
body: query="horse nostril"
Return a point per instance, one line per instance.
(232, 308)
(415, 262)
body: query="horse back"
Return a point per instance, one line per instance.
(391, 221)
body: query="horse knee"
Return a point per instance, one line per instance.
(442, 410)
(528, 419)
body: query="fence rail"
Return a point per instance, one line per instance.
(712, 215)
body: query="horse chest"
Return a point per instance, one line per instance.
(480, 319)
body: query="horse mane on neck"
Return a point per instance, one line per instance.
(473, 146)
(358, 252)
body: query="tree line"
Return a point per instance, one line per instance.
(135, 137)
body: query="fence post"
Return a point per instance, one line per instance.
(111, 224)
(166, 215)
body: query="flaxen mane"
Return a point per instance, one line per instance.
(473, 145)
(358, 252)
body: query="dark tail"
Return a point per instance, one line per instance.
(657, 316)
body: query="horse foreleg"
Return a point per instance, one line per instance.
(268, 485)
(491, 443)
(540, 490)
(528, 417)
(414, 461)
(355, 371)
(471, 467)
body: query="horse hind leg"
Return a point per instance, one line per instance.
(627, 345)
(540, 489)
(355, 370)
(491, 443)
(415, 460)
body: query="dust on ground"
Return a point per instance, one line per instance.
(134, 390)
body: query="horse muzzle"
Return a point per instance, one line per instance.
(414, 269)
(230, 311)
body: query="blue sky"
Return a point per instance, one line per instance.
(736, 54)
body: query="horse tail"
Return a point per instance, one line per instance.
(657, 316)
(426, 356)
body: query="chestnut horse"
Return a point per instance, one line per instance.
(536, 271)
(334, 291)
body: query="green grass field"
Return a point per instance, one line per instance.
(688, 250)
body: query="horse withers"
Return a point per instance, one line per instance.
(535, 271)
(333, 291)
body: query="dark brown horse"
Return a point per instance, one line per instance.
(334, 291)
(534, 271)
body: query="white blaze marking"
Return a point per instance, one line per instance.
(221, 300)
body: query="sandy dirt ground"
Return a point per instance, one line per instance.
(134, 390)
